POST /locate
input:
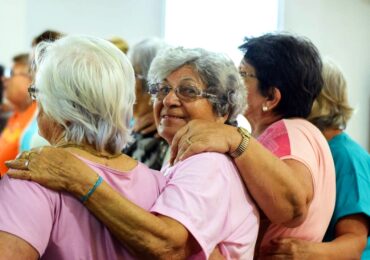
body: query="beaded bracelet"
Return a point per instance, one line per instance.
(91, 191)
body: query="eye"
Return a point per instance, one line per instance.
(189, 91)
(164, 89)
(243, 74)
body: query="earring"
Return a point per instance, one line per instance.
(265, 108)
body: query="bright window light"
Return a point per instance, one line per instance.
(219, 25)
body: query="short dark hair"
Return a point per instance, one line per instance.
(290, 63)
(22, 58)
(48, 35)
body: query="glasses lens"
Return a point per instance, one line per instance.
(32, 92)
(188, 92)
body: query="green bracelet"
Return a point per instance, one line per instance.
(91, 191)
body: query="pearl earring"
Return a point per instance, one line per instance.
(265, 108)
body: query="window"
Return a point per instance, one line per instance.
(219, 25)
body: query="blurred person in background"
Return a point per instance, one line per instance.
(24, 109)
(120, 44)
(31, 137)
(348, 234)
(147, 147)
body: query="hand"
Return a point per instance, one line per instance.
(145, 124)
(203, 136)
(51, 167)
(288, 248)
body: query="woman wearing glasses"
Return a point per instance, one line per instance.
(203, 210)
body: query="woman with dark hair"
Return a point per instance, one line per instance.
(348, 234)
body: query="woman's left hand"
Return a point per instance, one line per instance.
(288, 248)
(51, 167)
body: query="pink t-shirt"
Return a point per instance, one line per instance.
(58, 226)
(206, 194)
(298, 139)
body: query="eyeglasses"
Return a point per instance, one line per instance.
(183, 92)
(32, 91)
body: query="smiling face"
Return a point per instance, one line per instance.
(171, 113)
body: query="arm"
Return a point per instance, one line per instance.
(143, 233)
(282, 189)
(351, 234)
(13, 247)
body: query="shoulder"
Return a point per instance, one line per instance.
(203, 165)
(26, 191)
(207, 159)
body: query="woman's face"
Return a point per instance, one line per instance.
(254, 97)
(171, 113)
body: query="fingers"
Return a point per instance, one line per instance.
(175, 143)
(149, 129)
(19, 164)
(19, 174)
(188, 150)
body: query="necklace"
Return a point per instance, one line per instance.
(89, 150)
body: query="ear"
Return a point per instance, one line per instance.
(273, 100)
(222, 119)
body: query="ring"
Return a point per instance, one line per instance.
(26, 164)
(188, 141)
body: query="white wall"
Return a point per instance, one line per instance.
(341, 30)
(21, 20)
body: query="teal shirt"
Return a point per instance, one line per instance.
(352, 168)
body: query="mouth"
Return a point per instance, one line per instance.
(171, 117)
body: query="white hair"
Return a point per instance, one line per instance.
(87, 85)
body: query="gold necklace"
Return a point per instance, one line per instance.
(88, 149)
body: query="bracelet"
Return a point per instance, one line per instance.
(91, 191)
(246, 136)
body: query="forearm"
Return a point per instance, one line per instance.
(273, 185)
(346, 247)
(143, 233)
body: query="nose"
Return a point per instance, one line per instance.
(171, 99)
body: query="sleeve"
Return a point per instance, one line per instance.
(197, 196)
(26, 211)
(353, 181)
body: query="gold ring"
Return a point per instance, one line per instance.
(188, 141)
(26, 164)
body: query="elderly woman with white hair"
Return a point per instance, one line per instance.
(204, 210)
(85, 89)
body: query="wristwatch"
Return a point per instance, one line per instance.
(246, 136)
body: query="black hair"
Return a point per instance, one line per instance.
(291, 64)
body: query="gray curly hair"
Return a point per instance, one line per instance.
(216, 70)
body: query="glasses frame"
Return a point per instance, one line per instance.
(32, 90)
(154, 90)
